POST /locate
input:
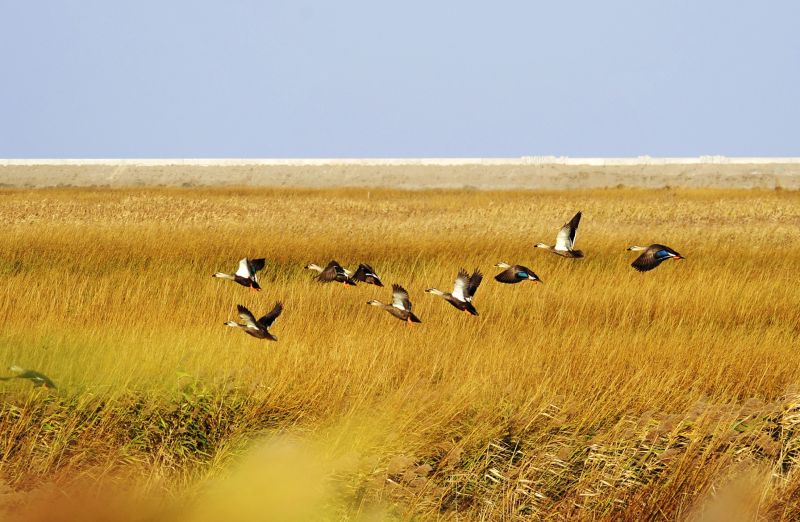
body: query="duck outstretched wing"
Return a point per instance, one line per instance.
(247, 317)
(400, 298)
(474, 282)
(257, 264)
(244, 269)
(565, 240)
(331, 272)
(268, 319)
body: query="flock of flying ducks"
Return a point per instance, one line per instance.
(461, 297)
(463, 290)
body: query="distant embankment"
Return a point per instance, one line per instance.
(512, 173)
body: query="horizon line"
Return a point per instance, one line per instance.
(522, 160)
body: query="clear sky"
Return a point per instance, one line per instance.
(321, 78)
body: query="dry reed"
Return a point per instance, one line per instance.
(603, 393)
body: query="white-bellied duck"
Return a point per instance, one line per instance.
(332, 272)
(515, 274)
(400, 307)
(565, 240)
(652, 256)
(257, 328)
(246, 273)
(463, 291)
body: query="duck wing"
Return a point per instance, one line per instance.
(361, 273)
(474, 282)
(565, 240)
(366, 274)
(244, 269)
(461, 285)
(247, 317)
(268, 319)
(400, 298)
(257, 264)
(330, 272)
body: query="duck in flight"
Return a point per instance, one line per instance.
(366, 274)
(565, 240)
(332, 272)
(515, 274)
(652, 256)
(245, 275)
(400, 307)
(463, 291)
(257, 328)
(38, 379)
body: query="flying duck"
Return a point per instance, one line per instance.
(652, 256)
(246, 273)
(332, 272)
(515, 274)
(463, 291)
(366, 274)
(38, 379)
(257, 329)
(565, 240)
(400, 307)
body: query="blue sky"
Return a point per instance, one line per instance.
(317, 79)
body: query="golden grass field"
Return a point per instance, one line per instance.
(602, 394)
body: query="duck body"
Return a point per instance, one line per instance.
(245, 275)
(37, 378)
(515, 274)
(652, 256)
(366, 274)
(464, 306)
(565, 240)
(571, 254)
(333, 272)
(400, 307)
(463, 291)
(258, 328)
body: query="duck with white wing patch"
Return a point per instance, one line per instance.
(463, 291)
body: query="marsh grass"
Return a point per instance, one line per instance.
(601, 393)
